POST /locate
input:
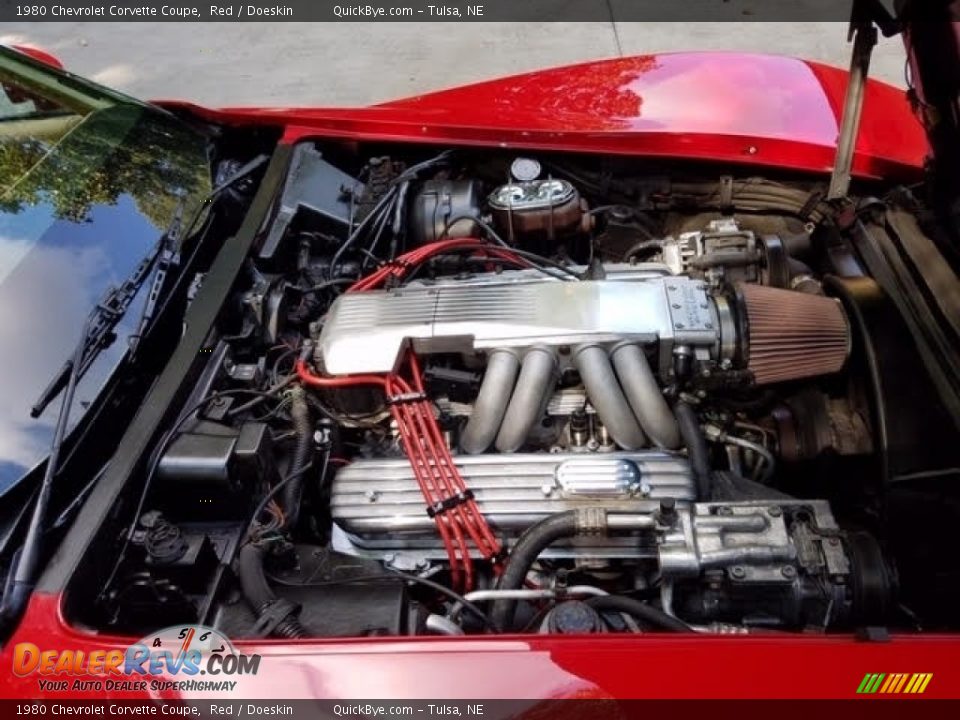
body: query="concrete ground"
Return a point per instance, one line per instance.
(363, 63)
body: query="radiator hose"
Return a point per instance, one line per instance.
(539, 537)
(697, 450)
(645, 614)
(530, 544)
(275, 616)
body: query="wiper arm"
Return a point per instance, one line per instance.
(20, 580)
(99, 330)
(111, 309)
(167, 258)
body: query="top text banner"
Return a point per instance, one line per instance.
(417, 11)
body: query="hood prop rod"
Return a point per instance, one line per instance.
(865, 17)
(864, 36)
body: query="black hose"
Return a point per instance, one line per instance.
(696, 444)
(293, 492)
(730, 487)
(645, 614)
(253, 580)
(534, 540)
(249, 531)
(257, 591)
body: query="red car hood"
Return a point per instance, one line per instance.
(729, 107)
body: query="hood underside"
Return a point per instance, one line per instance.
(732, 107)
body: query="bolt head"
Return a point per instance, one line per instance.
(788, 571)
(774, 511)
(738, 572)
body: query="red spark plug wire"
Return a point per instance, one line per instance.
(449, 501)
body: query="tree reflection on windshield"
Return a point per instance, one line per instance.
(120, 150)
(88, 182)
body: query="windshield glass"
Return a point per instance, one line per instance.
(88, 182)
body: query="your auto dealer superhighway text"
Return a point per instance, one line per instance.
(144, 11)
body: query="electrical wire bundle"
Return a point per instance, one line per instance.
(398, 269)
(449, 502)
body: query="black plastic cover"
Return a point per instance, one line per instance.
(317, 186)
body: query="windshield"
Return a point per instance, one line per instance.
(88, 182)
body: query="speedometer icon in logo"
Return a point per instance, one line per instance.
(189, 650)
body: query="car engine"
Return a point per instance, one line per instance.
(464, 393)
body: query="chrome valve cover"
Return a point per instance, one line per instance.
(378, 504)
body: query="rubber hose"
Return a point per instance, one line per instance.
(293, 493)
(645, 614)
(696, 444)
(534, 540)
(730, 487)
(253, 580)
(259, 594)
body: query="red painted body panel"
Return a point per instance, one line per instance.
(538, 666)
(41, 55)
(757, 110)
(734, 108)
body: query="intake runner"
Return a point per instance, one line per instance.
(532, 329)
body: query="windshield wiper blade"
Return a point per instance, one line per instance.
(99, 329)
(23, 568)
(167, 258)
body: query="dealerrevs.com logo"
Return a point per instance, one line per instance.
(187, 658)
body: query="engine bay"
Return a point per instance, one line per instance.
(462, 392)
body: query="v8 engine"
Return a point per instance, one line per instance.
(480, 394)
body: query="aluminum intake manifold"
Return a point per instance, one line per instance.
(366, 332)
(531, 329)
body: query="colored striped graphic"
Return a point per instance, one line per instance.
(894, 683)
